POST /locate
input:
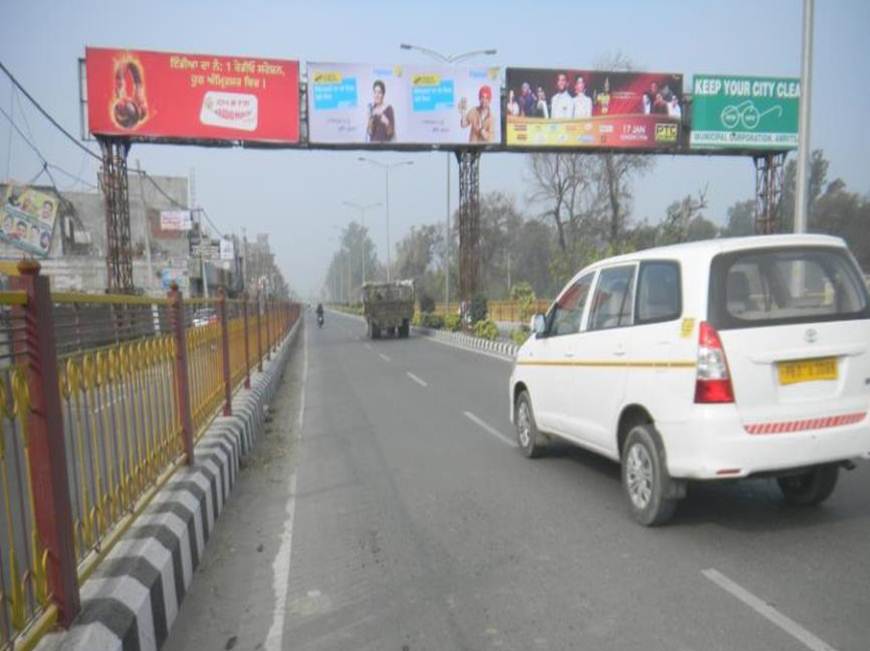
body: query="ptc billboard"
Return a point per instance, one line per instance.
(593, 108)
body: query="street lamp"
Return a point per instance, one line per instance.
(362, 218)
(386, 167)
(449, 59)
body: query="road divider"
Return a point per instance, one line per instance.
(135, 593)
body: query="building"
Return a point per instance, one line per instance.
(163, 253)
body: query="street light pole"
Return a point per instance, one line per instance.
(386, 168)
(362, 218)
(449, 59)
(800, 207)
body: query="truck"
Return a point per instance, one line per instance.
(388, 307)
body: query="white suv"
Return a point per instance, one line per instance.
(709, 360)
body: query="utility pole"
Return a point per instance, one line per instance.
(800, 207)
(149, 283)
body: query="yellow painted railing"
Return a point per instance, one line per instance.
(120, 423)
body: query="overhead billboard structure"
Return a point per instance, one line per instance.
(382, 105)
(744, 112)
(27, 219)
(162, 95)
(593, 109)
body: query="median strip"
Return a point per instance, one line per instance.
(489, 429)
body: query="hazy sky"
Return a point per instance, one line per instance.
(296, 196)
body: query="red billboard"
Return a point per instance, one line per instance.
(141, 94)
(593, 108)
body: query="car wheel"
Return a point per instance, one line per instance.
(528, 437)
(810, 488)
(645, 477)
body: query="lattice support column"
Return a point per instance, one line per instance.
(469, 223)
(769, 175)
(113, 177)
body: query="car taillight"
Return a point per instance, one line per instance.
(713, 382)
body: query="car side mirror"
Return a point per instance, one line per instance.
(538, 325)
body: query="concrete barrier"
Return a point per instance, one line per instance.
(133, 597)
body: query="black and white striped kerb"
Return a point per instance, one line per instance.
(132, 599)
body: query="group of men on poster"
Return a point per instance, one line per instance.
(570, 100)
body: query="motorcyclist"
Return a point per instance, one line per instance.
(319, 311)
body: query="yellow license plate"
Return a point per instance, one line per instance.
(807, 370)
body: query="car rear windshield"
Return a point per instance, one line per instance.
(764, 287)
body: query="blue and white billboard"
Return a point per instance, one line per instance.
(359, 104)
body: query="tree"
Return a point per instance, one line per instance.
(680, 215)
(847, 215)
(741, 219)
(816, 183)
(559, 181)
(415, 257)
(613, 177)
(344, 276)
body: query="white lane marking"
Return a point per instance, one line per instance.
(383, 357)
(281, 564)
(422, 383)
(368, 346)
(489, 429)
(766, 610)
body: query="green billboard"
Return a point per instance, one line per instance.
(744, 112)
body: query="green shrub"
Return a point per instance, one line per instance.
(417, 319)
(453, 322)
(524, 295)
(431, 321)
(478, 308)
(520, 335)
(427, 303)
(486, 329)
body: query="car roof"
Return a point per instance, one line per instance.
(706, 249)
(709, 248)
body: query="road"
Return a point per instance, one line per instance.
(401, 516)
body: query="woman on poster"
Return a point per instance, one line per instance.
(382, 121)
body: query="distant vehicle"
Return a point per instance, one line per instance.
(388, 307)
(204, 317)
(713, 360)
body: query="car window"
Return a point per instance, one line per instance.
(613, 301)
(568, 308)
(777, 286)
(658, 292)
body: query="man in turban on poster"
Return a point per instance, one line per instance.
(479, 117)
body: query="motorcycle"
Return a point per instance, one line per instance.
(319, 320)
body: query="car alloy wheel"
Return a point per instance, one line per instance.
(640, 476)
(524, 425)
